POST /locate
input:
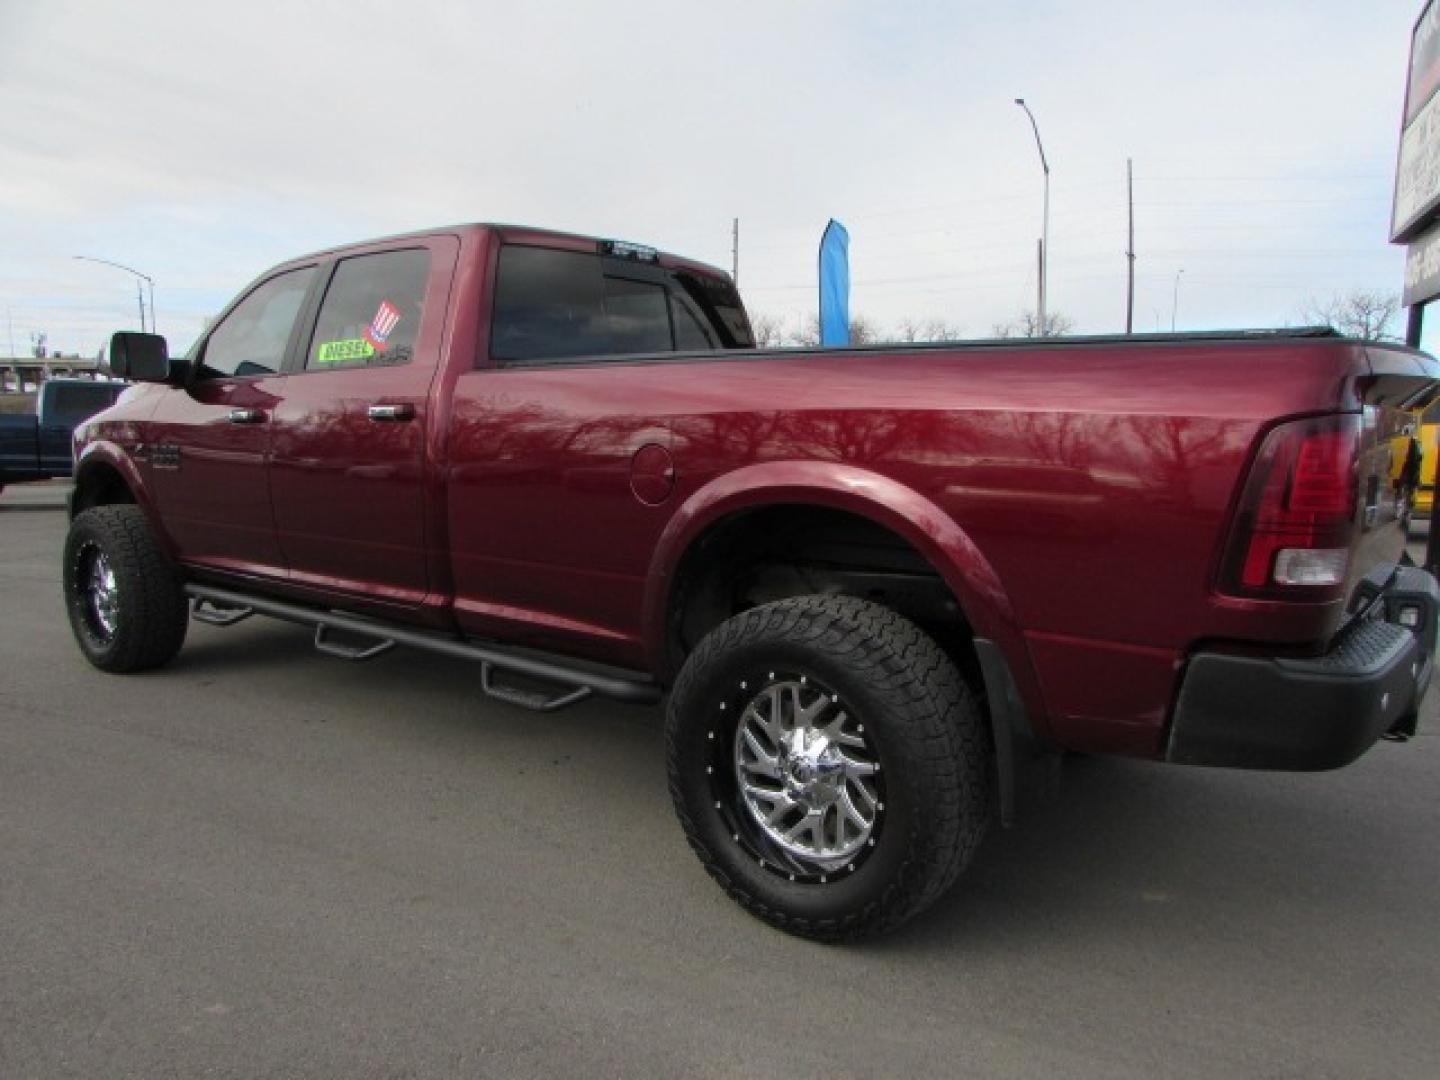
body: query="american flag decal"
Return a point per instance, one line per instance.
(378, 332)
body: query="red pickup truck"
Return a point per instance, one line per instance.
(867, 581)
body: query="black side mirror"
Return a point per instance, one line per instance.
(140, 357)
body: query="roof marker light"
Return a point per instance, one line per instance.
(623, 249)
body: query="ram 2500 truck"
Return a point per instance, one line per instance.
(866, 581)
(37, 446)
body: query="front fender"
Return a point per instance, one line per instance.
(100, 454)
(901, 509)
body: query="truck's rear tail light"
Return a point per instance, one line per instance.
(1296, 518)
(1303, 566)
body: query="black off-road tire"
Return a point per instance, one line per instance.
(150, 615)
(920, 718)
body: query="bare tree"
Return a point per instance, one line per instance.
(806, 332)
(769, 330)
(913, 330)
(1357, 314)
(863, 331)
(1027, 324)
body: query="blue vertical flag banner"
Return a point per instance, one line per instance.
(835, 285)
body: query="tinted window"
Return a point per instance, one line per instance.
(251, 340)
(554, 305)
(636, 313)
(548, 304)
(690, 332)
(73, 402)
(717, 299)
(371, 312)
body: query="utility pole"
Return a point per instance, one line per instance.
(735, 252)
(1040, 272)
(1130, 249)
(139, 291)
(1175, 300)
(1045, 222)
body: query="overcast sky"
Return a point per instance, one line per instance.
(202, 143)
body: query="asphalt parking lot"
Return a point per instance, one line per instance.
(262, 862)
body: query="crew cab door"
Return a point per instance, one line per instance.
(348, 451)
(560, 474)
(206, 444)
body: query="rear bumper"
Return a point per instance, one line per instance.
(1319, 713)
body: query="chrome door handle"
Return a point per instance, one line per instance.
(246, 416)
(404, 411)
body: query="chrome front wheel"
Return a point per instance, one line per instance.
(122, 593)
(99, 592)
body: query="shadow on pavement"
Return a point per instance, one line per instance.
(1125, 843)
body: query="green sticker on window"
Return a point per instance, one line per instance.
(342, 352)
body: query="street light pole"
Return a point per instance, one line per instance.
(1175, 300)
(139, 293)
(1045, 223)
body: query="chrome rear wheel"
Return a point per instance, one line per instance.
(807, 780)
(828, 764)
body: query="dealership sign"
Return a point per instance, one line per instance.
(1422, 268)
(1417, 174)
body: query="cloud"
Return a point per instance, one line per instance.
(203, 142)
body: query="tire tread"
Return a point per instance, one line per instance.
(939, 713)
(154, 615)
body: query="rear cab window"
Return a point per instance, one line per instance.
(71, 403)
(555, 306)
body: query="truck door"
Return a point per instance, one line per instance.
(207, 453)
(348, 460)
(561, 473)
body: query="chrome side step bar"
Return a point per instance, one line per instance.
(225, 607)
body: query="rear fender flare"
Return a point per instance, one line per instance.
(902, 510)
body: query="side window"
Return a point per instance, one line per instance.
(559, 305)
(635, 311)
(548, 304)
(73, 402)
(717, 299)
(252, 338)
(691, 334)
(371, 313)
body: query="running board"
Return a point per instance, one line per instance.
(224, 607)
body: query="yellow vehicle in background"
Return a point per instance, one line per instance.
(1425, 490)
